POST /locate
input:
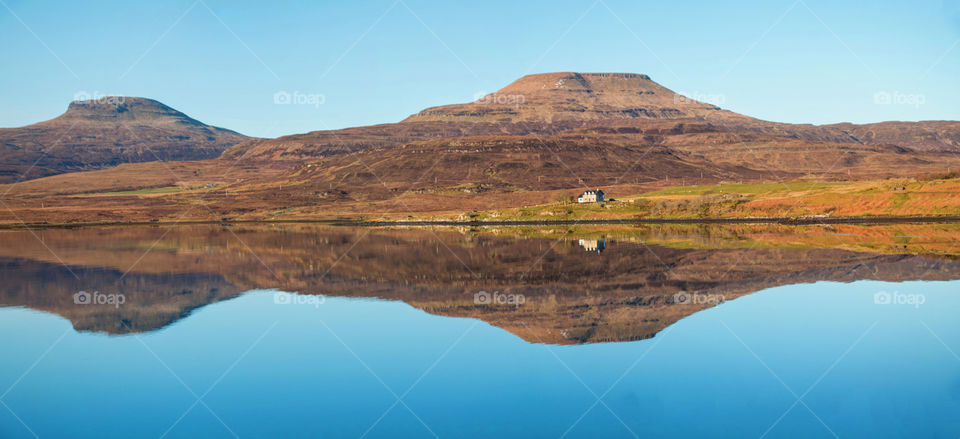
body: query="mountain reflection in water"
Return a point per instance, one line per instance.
(558, 285)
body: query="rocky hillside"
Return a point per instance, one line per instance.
(535, 141)
(557, 102)
(106, 132)
(570, 96)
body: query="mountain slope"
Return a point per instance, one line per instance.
(921, 136)
(556, 102)
(538, 140)
(333, 142)
(570, 96)
(541, 103)
(106, 132)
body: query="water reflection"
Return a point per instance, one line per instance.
(561, 286)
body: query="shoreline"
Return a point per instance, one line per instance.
(359, 222)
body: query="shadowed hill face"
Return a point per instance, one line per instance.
(106, 132)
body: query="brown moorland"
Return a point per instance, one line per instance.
(538, 140)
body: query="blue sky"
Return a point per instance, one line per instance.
(366, 62)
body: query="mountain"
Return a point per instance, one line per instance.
(570, 96)
(105, 132)
(568, 130)
(540, 103)
(556, 102)
(538, 140)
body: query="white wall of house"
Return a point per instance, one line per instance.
(590, 197)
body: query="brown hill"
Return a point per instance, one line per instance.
(540, 138)
(450, 174)
(570, 96)
(458, 175)
(554, 102)
(333, 142)
(534, 103)
(921, 136)
(105, 132)
(541, 103)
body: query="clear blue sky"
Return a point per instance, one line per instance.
(817, 61)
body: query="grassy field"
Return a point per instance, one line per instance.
(791, 199)
(145, 191)
(790, 187)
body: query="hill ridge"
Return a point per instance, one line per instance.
(121, 108)
(104, 132)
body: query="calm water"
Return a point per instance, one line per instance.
(818, 333)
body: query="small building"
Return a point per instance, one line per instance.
(591, 197)
(593, 245)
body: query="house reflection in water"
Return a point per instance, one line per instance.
(593, 245)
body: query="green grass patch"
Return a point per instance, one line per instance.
(144, 191)
(745, 188)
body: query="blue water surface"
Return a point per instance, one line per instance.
(800, 361)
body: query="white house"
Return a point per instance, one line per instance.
(591, 197)
(593, 245)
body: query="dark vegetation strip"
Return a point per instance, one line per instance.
(368, 223)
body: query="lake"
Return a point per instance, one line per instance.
(263, 331)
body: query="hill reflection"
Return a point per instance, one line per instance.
(546, 285)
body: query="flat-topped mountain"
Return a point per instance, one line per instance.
(557, 102)
(105, 132)
(540, 103)
(122, 109)
(570, 96)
